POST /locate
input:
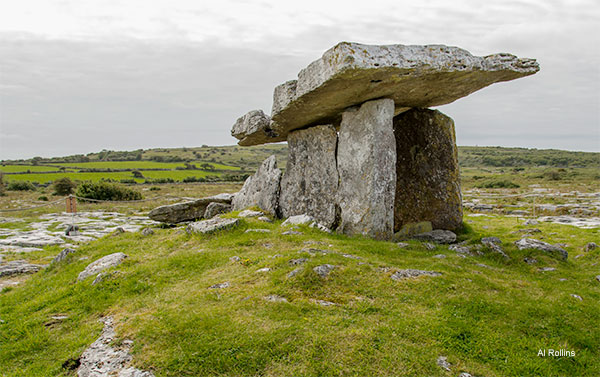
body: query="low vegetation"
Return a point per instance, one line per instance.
(106, 191)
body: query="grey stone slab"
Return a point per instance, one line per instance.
(261, 189)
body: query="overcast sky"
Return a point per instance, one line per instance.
(78, 76)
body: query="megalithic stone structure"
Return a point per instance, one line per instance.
(394, 160)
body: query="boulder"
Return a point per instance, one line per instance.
(187, 211)
(427, 176)
(101, 264)
(253, 127)
(213, 209)
(366, 161)
(261, 189)
(349, 74)
(62, 255)
(310, 182)
(530, 243)
(437, 236)
(211, 225)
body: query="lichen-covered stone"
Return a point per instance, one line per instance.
(213, 209)
(310, 182)
(187, 211)
(211, 225)
(261, 189)
(366, 163)
(101, 264)
(349, 74)
(427, 175)
(253, 127)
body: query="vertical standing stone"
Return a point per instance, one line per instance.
(261, 189)
(428, 182)
(366, 163)
(310, 182)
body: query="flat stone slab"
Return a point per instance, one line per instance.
(187, 211)
(18, 267)
(531, 243)
(101, 264)
(349, 74)
(211, 225)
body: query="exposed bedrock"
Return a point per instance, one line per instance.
(350, 74)
(261, 189)
(310, 182)
(187, 211)
(427, 177)
(366, 162)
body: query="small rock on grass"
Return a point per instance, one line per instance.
(220, 285)
(402, 244)
(147, 232)
(547, 269)
(250, 213)
(439, 256)
(576, 296)
(62, 255)
(530, 243)
(443, 363)
(598, 278)
(412, 273)
(295, 272)
(429, 246)
(530, 260)
(264, 269)
(265, 219)
(235, 258)
(101, 264)
(438, 236)
(275, 298)
(299, 261)
(292, 232)
(465, 374)
(590, 246)
(211, 225)
(257, 231)
(323, 270)
(323, 302)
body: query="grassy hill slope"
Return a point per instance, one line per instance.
(488, 316)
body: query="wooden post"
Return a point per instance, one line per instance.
(71, 204)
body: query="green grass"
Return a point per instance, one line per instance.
(117, 176)
(487, 320)
(25, 168)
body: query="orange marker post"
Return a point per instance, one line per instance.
(71, 204)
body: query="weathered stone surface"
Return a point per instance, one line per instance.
(18, 267)
(412, 273)
(211, 225)
(530, 243)
(302, 219)
(428, 180)
(101, 264)
(310, 182)
(261, 189)
(410, 229)
(438, 236)
(187, 211)
(100, 359)
(147, 232)
(349, 74)
(63, 255)
(213, 209)
(253, 127)
(367, 168)
(250, 213)
(323, 270)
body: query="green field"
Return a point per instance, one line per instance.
(176, 175)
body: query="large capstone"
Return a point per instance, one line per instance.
(427, 176)
(366, 163)
(310, 182)
(350, 74)
(261, 189)
(187, 211)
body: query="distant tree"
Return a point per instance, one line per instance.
(137, 174)
(64, 186)
(2, 189)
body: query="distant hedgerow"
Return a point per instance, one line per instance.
(20, 186)
(106, 191)
(498, 184)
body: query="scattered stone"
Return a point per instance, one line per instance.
(465, 374)
(101, 264)
(101, 360)
(297, 262)
(412, 273)
(18, 267)
(402, 245)
(187, 211)
(267, 245)
(220, 285)
(530, 243)
(439, 256)
(427, 176)
(257, 231)
(72, 230)
(482, 265)
(429, 246)
(292, 232)
(598, 278)
(310, 182)
(437, 236)
(211, 225)
(215, 208)
(530, 260)
(118, 231)
(493, 243)
(323, 302)
(491, 240)
(531, 222)
(250, 213)
(366, 163)
(412, 229)
(320, 226)
(265, 219)
(460, 249)
(275, 298)
(275, 256)
(147, 232)
(563, 279)
(235, 259)
(103, 276)
(529, 230)
(443, 363)
(264, 269)
(62, 255)
(295, 272)
(261, 189)
(590, 246)
(547, 269)
(323, 270)
(350, 256)
(303, 219)
(576, 296)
